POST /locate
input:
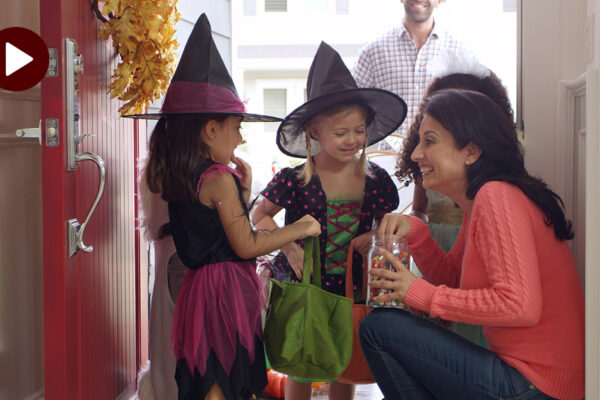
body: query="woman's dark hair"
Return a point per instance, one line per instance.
(406, 169)
(472, 117)
(175, 150)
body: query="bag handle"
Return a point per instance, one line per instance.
(312, 253)
(349, 281)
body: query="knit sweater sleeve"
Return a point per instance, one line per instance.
(499, 243)
(437, 267)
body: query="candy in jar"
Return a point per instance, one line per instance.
(398, 248)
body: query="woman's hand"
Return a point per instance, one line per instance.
(245, 171)
(394, 224)
(398, 281)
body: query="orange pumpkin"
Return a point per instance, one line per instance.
(275, 384)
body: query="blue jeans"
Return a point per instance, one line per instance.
(413, 358)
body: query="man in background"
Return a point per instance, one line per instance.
(397, 61)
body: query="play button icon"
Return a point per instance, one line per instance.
(23, 59)
(15, 59)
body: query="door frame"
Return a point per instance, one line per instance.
(592, 232)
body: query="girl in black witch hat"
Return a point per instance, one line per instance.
(216, 331)
(345, 193)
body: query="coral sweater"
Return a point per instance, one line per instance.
(509, 273)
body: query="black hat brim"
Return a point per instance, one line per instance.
(389, 111)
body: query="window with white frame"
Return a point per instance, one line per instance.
(275, 104)
(342, 7)
(318, 6)
(249, 8)
(275, 5)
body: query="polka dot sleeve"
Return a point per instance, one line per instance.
(386, 196)
(282, 188)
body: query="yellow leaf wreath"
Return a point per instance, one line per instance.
(142, 32)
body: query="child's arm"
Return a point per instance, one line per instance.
(362, 243)
(263, 219)
(385, 200)
(220, 191)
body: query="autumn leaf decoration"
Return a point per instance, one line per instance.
(142, 32)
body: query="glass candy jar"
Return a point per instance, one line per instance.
(398, 248)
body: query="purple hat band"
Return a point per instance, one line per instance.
(185, 97)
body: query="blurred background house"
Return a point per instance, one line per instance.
(547, 53)
(274, 42)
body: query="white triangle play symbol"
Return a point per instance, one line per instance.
(15, 59)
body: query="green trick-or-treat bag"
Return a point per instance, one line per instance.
(308, 333)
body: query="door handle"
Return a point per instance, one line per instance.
(34, 133)
(74, 228)
(74, 68)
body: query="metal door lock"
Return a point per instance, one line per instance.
(52, 132)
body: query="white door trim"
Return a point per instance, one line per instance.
(568, 90)
(592, 233)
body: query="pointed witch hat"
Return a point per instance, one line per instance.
(330, 83)
(201, 84)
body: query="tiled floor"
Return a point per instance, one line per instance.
(363, 392)
(368, 392)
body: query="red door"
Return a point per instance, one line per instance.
(93, 316)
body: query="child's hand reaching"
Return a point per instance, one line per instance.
(362, 243)
(311, 226)
(295, 258)
(245, 171)
(294, 253)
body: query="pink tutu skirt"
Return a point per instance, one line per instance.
(218, 306)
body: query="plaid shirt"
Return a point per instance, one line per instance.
(392, 62)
